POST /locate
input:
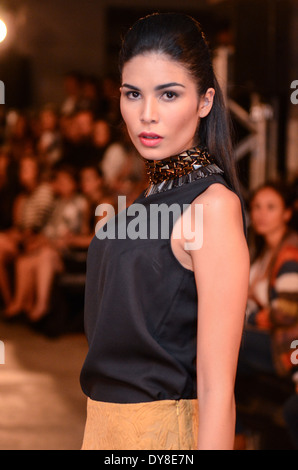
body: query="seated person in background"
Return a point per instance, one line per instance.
(72, 84)
(90, 91)
(272, 308)
(115, 159)
(96, 192)
(43, 256)
(49, 144)
(18, 135)
(131, 181)
(123, 169)
(78, 148)
(294, 221)
(31, 211)
(8, 189)
(102, 138)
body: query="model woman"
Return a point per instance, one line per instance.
(164, 318)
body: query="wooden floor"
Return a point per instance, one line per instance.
(41, 403)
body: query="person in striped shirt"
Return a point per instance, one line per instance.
(32, 209)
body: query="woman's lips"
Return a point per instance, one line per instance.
(149, 139)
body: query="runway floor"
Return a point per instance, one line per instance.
(42, 406)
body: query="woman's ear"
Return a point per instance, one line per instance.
(206, 103)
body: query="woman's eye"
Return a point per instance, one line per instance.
(133, 95)
(170, 95)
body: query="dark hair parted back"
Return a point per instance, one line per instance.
(181, 38)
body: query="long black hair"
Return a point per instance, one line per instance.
(181, 38)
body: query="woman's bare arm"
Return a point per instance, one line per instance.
(221, 268)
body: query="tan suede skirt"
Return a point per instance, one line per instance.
(158, 425)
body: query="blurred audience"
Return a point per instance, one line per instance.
(121, 164)
(294, 189)
(95, 189)
(49, 146)
(110, 99)
(57, 165)
(18, 135)
(31, 211)
(8, 188)
(78, 145)
(72, 89)
(90, 95)
(272, 307)
(42, 258)
(102, 138)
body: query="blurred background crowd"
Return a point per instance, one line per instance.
(56, 166)
(59, 161)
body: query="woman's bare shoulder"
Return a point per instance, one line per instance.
(218, 197)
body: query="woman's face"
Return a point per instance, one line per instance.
(28, 173)
(90, 182)
(161, 106)
(48, 120)
(101, 133)
(268, 212)
(64, 184)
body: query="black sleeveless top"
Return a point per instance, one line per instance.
(141, 308)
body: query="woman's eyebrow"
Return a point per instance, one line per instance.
(126, 85)
(157, 88)
(168, 85)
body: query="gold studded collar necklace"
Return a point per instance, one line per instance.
(179, 169)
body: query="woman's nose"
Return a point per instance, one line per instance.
(149, 112)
